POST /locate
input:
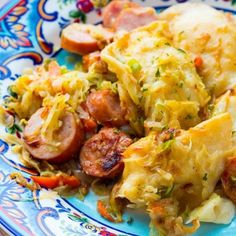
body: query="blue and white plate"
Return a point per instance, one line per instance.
(30, 31)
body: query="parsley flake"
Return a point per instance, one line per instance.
(205, 177)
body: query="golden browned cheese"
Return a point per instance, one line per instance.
(203, 31)
(192, 162)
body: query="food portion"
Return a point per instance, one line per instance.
(182, 167)
(42, 84)
(177, 160)
(157, 77)
(84, 39)
(208, 35)
(146, 119)
(104, 106)
(65, 141)
(101, 155)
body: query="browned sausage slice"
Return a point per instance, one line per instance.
(228, 179)
(113, 9)
(104, 107)
(101, 155)
(132, 18)
(83, 39)
(70, 136)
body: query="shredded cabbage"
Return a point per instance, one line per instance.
(43, 83)
(55, 108)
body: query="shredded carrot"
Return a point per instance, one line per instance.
(198, 62)
(46, 182)
(54, 181)
(72, 181)
(89, 124)
(101, 208)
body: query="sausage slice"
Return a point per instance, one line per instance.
(83, 39)
(132, 18)
(101, 155)
(70, 136)
(104, 107)
(113, 9)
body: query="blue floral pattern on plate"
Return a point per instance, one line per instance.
(28, 33)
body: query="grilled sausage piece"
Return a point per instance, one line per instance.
(83, 39)
(132, 18)
(101, 155)
(70, 136)
(113, 9)
(104, 107)
(228, 179)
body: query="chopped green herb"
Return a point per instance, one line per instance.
(165, 191)
(210, 107)
(180, 84)
(205, 177)
(130, 220)
(141, 120)
(11, 92)
(64, 70)
(164, 128)
(167, 145)
(134, 65)
(144, 89)
(47, 62)
(185, 214)
(158, 74)
(172, 135)
(233, 179)
(181, 50)
(116, 131)
(167, 44)
(188, 117)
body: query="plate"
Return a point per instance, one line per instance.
(29, 32)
